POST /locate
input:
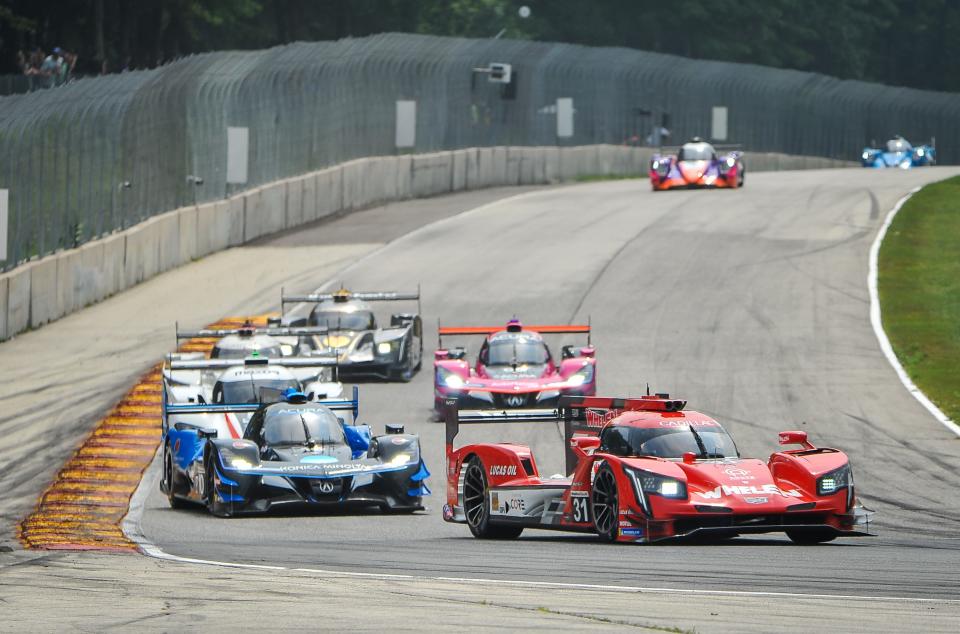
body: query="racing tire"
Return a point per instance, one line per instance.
(216, 507)
(476, 505)
(742, 178)
(604, 504)
(811, 536)
(169, 481)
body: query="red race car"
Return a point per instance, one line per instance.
(514, 368)
(643, 470)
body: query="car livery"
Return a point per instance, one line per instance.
(696, 165)
(644, 470)
(898, 152)
(351, 332)
(226, 380)
(293, 452)
(514, 368)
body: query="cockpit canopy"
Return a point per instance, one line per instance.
(249, 391)
(898, 144)
(361, 319)
(301, 425)
(669, 442)
(514, 348)
(238, 347)
(697, 152)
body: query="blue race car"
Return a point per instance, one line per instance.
(294, 452)
(899, 153)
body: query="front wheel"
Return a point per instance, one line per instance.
(169, 480)
(476, 505)
(811, 536)
(604, 504)
(215, 506)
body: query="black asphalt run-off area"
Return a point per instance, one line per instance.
(750, 304)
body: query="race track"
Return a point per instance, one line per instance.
(751, 304)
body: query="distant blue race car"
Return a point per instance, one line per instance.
(899, 153)
(293, 452)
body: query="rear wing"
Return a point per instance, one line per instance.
(723, 147)
(553, 329)
(320, 361)
(583, 415)
(167, 409)
(344, 295)
(249, 331)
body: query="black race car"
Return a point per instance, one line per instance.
(364, 348)
(293, 452)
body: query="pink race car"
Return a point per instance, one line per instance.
(514, 368)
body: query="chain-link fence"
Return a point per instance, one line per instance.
(101, 154)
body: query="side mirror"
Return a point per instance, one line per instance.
(206, 432)
(201, 400)
(393, 429)
(274, 321)
(795, 438)
(566, 352)
(689, 457)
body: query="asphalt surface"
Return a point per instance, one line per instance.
(58, 381)
(750, 304)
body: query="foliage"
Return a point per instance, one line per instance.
(919, 284)
(893, 41)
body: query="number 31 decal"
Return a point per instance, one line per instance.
(580, 512)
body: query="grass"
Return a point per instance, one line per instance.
(919, 284)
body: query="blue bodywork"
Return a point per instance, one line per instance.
(243, 481)
(899, 153)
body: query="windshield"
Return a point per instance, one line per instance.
(898, 145)
(301, 425)
(337, 320)
(668, 442)
(249, 391)
(696, 152)
(517, 349)
(242, 353)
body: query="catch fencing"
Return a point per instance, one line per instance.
(101, 154)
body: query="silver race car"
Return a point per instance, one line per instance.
(218, 381)
(350, 331)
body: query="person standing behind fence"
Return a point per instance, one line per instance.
(50, 69)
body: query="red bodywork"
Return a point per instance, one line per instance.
(523, 385)
(717, 497)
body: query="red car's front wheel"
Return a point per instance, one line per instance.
(604, 504)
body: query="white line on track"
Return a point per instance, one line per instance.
(877, 322)
(132, 529)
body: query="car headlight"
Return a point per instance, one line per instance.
(838, 479)
(286, 349)
(645, 484)
(655, 165)
(402, 459)
(384, 347)
(866, 156)
(449, 379)
(582, 376)
(238, 462)
(920, 152)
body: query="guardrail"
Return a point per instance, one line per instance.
(99, 155)
(46, 289)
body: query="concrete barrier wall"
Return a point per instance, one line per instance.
(44, 290)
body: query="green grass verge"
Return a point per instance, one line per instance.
(919, 284)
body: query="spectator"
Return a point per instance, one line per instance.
(50, 68)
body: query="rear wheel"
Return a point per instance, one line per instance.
(811, 536)
(604, 504)
(476, 505)
(742, 177)
(169, 480)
